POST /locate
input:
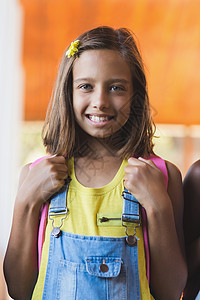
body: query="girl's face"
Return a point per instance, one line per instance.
(102, 90)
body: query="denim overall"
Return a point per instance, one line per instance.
(92, 267)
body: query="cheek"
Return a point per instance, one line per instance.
(124, 111)
(78, 105)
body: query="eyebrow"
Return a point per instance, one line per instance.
(83, 79)
(122, 80)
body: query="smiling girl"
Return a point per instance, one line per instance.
(89, 201)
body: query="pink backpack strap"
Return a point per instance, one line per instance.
(41, 231)
(43, 218)
(160, 163)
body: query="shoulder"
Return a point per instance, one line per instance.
(191, 185)
(173, 172)
(25, 169)
(175, 192)
(191, 189)
(195, 166)
(193, 174)
(174, 181)
(175, 189)
(24, 172)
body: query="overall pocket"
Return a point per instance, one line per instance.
(99, 278)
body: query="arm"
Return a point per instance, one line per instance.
(36, 185)
(164, 213)
(191, 188)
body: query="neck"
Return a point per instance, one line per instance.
(97, 163)
(91, 146)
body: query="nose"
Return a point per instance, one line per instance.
(101, 99)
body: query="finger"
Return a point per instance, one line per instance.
(140, 161)
(127, 185)
(60, 184)
(148, 161)
(58, 159)
(61, 176)
(57, 165)
(126, 177)
(61, 167)
(133, 163)
(50, 157)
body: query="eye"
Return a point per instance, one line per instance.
(117, 88)
(85, 87)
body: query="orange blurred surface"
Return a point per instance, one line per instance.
(169, 37)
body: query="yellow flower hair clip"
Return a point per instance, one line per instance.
(72, 49)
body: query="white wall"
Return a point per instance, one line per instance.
(11, 94)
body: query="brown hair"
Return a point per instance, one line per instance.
(60, 133)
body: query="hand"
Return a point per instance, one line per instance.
(146, 182)
(44, 179)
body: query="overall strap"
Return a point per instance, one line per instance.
(58, 202)
(59, 207)
(131, 214)
(131, 209)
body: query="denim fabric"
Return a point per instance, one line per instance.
(74, 269)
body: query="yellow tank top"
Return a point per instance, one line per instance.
(86, 207)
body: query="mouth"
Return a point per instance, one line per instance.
(99, 118)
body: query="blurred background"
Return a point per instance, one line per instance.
(33, 36)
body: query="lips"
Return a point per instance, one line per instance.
(99, 118)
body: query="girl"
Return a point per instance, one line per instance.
(98, 133)
(192, 230)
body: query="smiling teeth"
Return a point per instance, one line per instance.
(98, 119)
